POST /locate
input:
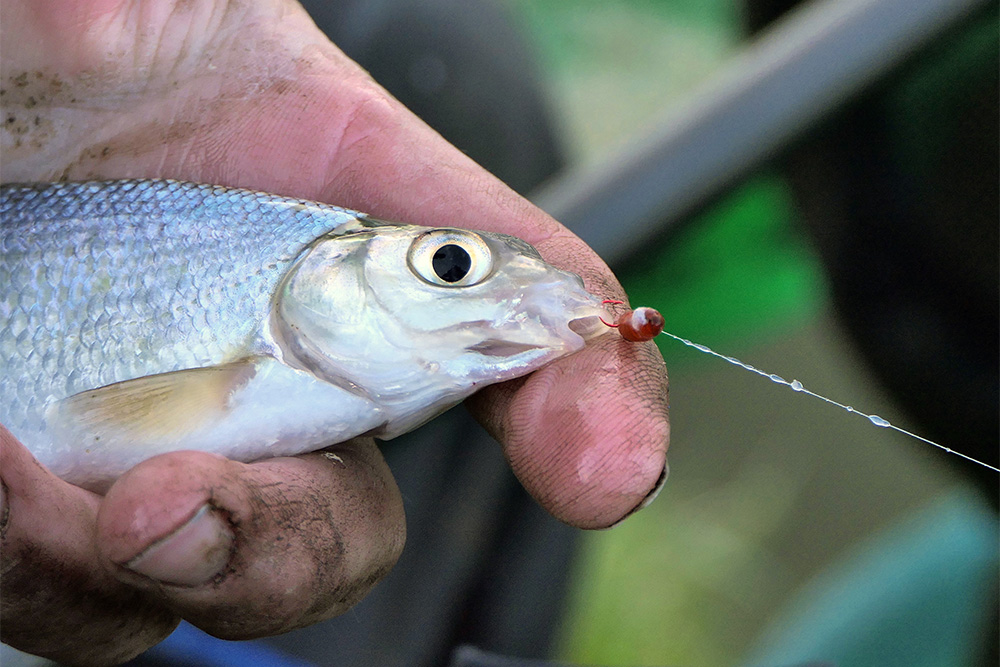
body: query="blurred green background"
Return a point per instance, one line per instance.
(769, 491)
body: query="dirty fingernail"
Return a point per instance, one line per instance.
(191, 555)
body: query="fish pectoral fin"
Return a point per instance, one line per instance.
(157, 407)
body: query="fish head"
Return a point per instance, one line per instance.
(410, 315)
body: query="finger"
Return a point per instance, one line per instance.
(252, 550)
(589, 460)
(57, 598)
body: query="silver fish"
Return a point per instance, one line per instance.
(140, 317)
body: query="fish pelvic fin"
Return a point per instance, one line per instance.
(166, 406)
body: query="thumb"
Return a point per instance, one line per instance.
(57, 598)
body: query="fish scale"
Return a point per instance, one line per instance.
(218, 258)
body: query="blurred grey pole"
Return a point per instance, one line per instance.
(807, 65)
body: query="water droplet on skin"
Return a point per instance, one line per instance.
(796, 385)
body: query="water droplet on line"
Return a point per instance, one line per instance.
(878, 421)
(796, 385)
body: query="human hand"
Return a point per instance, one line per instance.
(239, 550)
(253, 95)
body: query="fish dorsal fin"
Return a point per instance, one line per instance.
(159, 407)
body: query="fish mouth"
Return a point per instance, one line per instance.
(588, 327)
(495, 347)
(557, 323)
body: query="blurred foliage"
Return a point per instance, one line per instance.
(738, 274)
(613, 66)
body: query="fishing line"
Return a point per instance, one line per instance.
(645, 323)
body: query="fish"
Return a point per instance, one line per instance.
(139, 317)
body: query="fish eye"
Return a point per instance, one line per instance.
(451, 258)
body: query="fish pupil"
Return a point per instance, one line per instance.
(451, 263)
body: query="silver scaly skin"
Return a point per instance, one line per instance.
(138, 317)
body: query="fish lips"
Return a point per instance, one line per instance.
(544, 337)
